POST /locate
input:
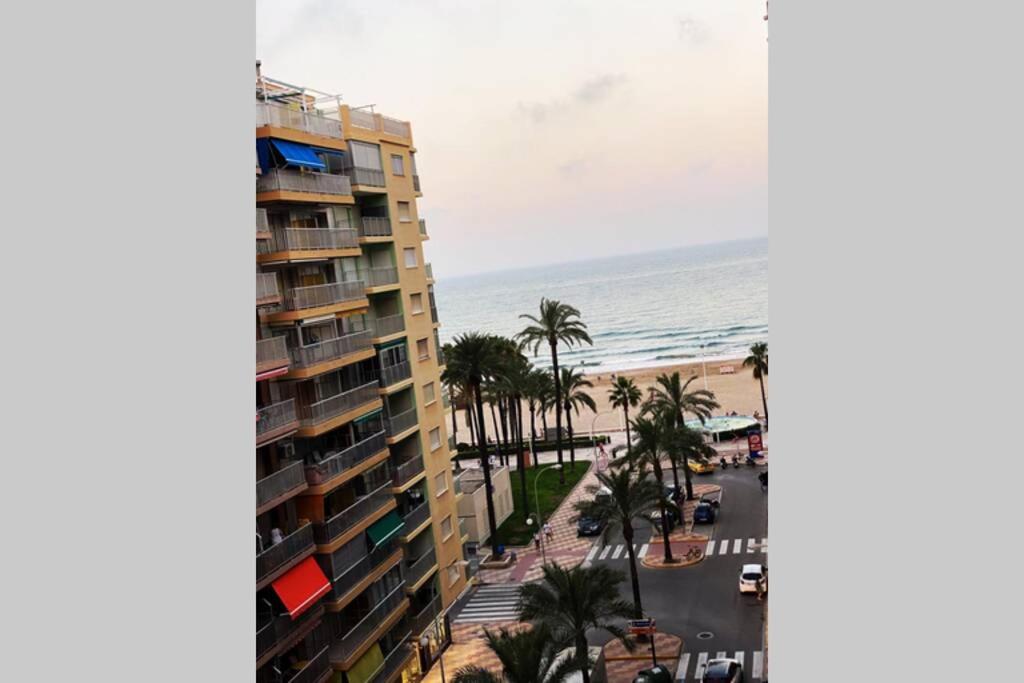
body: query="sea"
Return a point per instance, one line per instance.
(642, 310)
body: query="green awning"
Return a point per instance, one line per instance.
(366, 418)
(388, 345)
(384, 528)
(363, 670)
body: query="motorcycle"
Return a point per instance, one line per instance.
(735, 462)
(725, 465)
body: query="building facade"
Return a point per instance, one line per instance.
(359, 552)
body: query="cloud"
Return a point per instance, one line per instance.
(573, 167)
(692, 31)
(597, 89)
(700, 168)
(590, 92)
(537, 112)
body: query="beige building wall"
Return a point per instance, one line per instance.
(473, 504)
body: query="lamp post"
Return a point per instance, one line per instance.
(593, 439)
(540, 513)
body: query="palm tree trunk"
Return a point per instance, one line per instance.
(533, 421)
(493, 541)
(582, 656)
(558, 411)
(686, 465)
(627, 535)
(544, 422)
(503, 412)
(517, 427)
(455, 426)
(675, 474)
(659, 475)
(572, 446)
(629, 447)
(469, 422)
(497, 433)
(764, 402)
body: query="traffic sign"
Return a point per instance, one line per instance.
(642, 626)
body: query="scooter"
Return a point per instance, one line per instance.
(751, 461)
(725, 465)
(735, 462)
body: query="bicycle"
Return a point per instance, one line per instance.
(694, 553)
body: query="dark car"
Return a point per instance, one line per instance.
(589, 526)
(704, 513)
(656, 674)
(723, 671)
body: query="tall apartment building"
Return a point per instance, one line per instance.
(359, 546)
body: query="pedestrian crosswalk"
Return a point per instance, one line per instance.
(736, 546)
(614, 552)
(491, 603)
(691, 665)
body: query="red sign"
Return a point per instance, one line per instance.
(642, 627)
(754, 442)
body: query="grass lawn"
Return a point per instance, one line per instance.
(514, 531)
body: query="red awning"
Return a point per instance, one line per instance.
(301, 586)
(276, 372)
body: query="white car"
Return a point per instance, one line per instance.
(750, 575)
(723, 670)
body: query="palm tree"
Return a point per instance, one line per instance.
(631, 497)
(573, 397)
(758, 359)
(546, 393)
(534, 394)
(625, 394)
(557, 323)
(472, 359)
(526, 656)
(672, 399)
(650, 444)
(514, 383)
(572, 601)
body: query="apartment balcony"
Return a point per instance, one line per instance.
(407, 472)
(433, 313)
(390, 375)
(374, 227)
(400, 423)
(416, 183)
(282, 632)
(262, 225)
(275, 421)
(395, 662)
(330, 354)
(271, 355)
(308, 244)
(282, 184)
(272, 562)
(310, 123)
(316, 670)
(363, 178)
(318, 300)
(369, 121)
(341, 466)
(428, 268)
(423, 227)
(452, 446)
(457, 482)
(268, 293)
(379, 279)
(317, 418)
(352, 580)
(441, 362)
(274, 489)
(415, 519)
(388, 325)
(420, 569)
(328, 531)
(463, 531)
(427, 616)
(383, 616)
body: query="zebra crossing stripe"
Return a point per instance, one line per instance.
(720, 654)
(757, 665)
(724, 549)
(702, 662)
(711, 548)
(750, 545)
(618, 551)
(593, 551)
(684, 663)
(739, 658)
(604, 553)
(736, 546)
(643, 551)
(764, 545)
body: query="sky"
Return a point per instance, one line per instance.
(552, 131)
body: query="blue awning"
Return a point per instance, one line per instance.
(296, 154)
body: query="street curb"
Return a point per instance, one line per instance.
(646, 656)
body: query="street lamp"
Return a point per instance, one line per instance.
(593, 439)
(540, 513)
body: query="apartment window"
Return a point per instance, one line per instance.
(410, 257)
(435, 438)
(453, 574)
(440, 484)
(403, 212)
(417, 303)
(423, 349)
(428, 393)
(365, 155)
(446, 531)
(397, 165)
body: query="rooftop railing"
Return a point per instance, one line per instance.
(341, 461)
(389, 324)
(375, 226)
(360, 118)
(330, 349)
(291, 476)
(332, 406)
(396, 127)
(297, 543)
(286, 180)
(400, 422)
(285, 117)
(314, 239)
(325, 532)
(299, 298)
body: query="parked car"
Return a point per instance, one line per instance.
(704, 513)
(723, 671)
(655, 516)
(700, 466)
(750, 575)
(656, 674)
(589, 526)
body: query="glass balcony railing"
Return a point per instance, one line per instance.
(419, 568)
(373, 226)
(308, 122)
(339, 462)
(405, 472)
(380, 277)
(313, 239)
(314, 296)
(286, 180)
(354, 639)
(415, 518)
(398, 423)
(393, 374)
(316, 413)
(295, 544)
(390, 324)
(330, 349)
(291, 476)
(325, 532)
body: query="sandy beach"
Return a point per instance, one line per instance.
(738, 391)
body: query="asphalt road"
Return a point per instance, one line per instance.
(705, 597)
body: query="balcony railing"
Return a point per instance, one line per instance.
(297, 543)
(429, 270)
(375, 226)
(262, 225)
(423, 226)
(315, 413)
(330, 349)
(284, 117)
(418, 569)
(425, 618)
(390, 324)
(286, 180)
(393, 374)
(370, 177)
(325, 532)
(271, 352)
(416, 183)
(266, 286)
(274, 417)
(291, 476)
(363, 119)
(463, 531)
(433, 314)
(282, 627)
(300, 298)
(440, 357)
(457, 481)
(348, 578)
(451, 443)
(396, 127)
(314, 239)
(379, 277)
(356, 636)
(314, 670)
(404, 473)
(396, 424)
(394, 661)
(414, 518)
(341, 461)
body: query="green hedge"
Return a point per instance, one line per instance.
(468, 453)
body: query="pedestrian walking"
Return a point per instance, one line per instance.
(536, 541)
(549, 533)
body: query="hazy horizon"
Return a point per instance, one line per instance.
(552, 132)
